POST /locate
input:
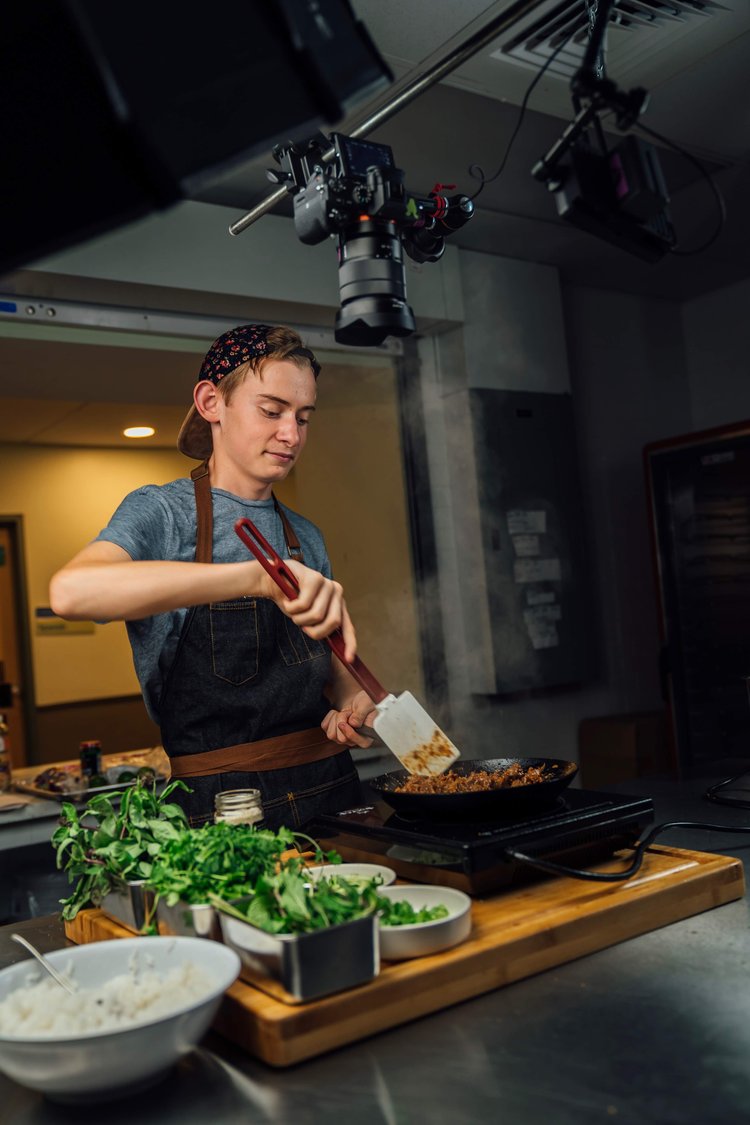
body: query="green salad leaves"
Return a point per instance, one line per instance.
(287, 902)
(224, 861)
(106, 845)
(402, 913)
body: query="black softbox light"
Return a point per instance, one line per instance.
(114, 108)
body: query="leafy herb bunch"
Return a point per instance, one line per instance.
(224, 860)
(288, 902)
(105, 846)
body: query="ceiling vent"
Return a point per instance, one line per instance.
(638, 31)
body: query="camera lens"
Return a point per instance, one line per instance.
(372, 285)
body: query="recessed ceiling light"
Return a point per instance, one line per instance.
(139, 431)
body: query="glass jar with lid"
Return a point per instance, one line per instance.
(90, 753)
(238, 806)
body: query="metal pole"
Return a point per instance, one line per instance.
(413, 89)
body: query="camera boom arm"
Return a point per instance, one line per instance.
(600, 93)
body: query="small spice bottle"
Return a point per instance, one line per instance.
(238, 806)
(91, 757)
(4, 755)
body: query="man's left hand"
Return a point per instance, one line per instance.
(343, 726)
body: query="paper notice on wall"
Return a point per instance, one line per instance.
(526, 546)
(537, 570)
(540, 624)
(540, 597)
(523, 522)
(543, 612)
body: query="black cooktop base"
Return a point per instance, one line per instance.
(581, 827)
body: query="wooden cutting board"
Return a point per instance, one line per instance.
(515, 934)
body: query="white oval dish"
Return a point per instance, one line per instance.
(95, 1065)
(421, 938)
(355, 871)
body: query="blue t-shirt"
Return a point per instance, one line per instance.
(159, 522)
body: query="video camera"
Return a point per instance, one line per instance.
(353, 189)
(617, 194)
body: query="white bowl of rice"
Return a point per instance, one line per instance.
(140, 1003)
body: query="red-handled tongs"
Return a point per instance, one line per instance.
(402, 723)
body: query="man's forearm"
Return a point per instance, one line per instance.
(127, 590)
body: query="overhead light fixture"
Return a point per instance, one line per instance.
(142, 129)
(139, 431)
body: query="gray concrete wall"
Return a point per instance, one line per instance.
(188, 247)
(717, 341)
(629, 381)
(623, 359)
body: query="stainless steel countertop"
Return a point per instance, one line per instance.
(653, 1030)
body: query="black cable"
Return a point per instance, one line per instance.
(711, 183)
(712, 793)
(601, 877)
(490, 179)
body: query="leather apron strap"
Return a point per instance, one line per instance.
(290, 535)
(205, 512)
(204, 539)
(297, 749)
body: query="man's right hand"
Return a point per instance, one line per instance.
(319, 608)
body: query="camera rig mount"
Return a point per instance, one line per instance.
(352, 189)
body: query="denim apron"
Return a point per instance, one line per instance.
(244, 672)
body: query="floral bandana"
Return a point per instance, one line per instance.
(233, 348)
(249, 341)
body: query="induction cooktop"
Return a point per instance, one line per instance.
(580, 828)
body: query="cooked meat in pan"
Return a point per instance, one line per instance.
(475, 782)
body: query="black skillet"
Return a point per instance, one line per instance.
(486, 804)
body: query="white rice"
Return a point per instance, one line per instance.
(46, 1010)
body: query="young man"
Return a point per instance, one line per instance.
(238, 677)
